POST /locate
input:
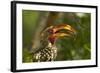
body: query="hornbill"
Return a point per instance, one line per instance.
(47, 51)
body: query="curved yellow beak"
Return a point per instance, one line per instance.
(61, 31)
(63, 27)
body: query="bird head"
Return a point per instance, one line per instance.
(58, 31)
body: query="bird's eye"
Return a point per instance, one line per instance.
(50, 31)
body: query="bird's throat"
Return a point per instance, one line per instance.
(52, 39)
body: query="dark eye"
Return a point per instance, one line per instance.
(50, 31)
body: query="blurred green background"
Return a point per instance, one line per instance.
(78, 48)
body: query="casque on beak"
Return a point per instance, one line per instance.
(61, 31)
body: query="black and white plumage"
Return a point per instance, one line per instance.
(48, 53)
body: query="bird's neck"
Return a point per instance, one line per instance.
(49, 45)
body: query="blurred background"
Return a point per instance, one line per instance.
(78, 48)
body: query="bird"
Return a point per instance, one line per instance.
(47, 51)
